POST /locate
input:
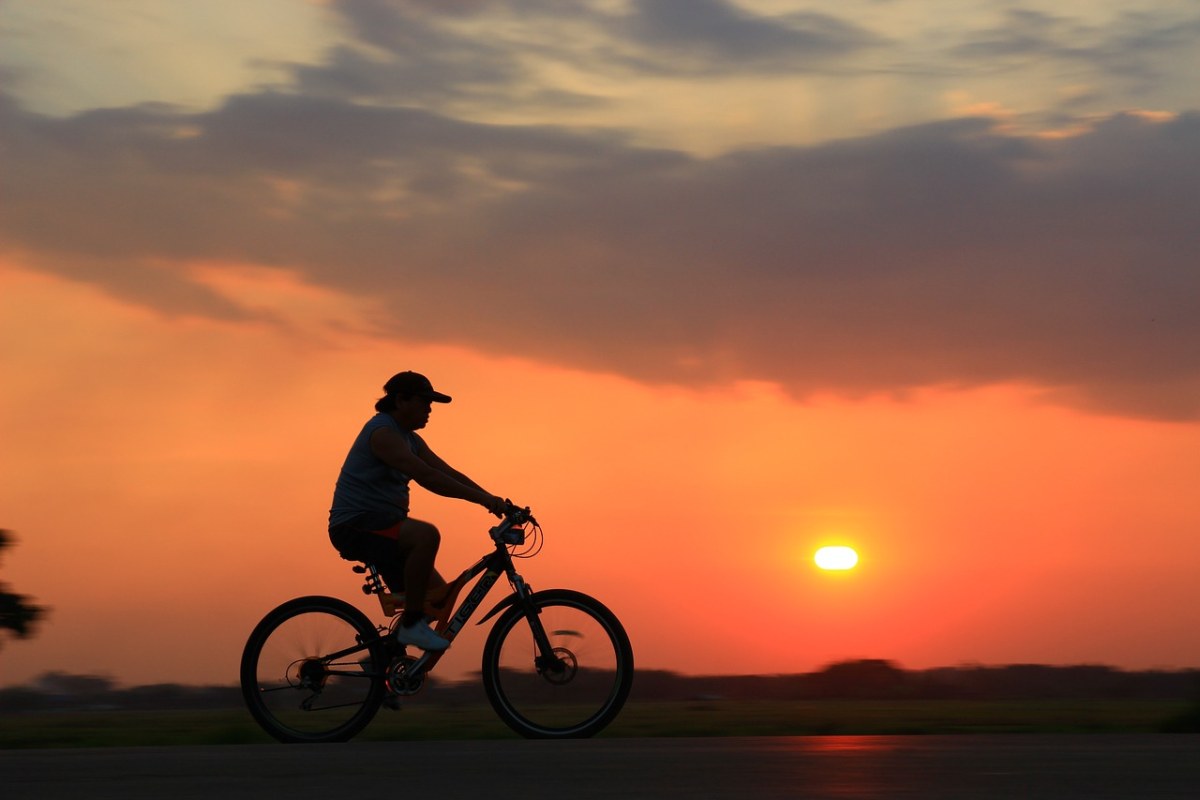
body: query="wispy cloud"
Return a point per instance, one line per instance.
(1131, 47)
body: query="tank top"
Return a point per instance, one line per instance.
(367, 484)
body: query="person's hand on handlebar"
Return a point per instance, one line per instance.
(495, 505)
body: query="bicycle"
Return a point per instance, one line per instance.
(556, 663)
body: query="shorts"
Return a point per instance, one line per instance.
(371, 538)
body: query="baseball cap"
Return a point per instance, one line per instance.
(413, 384)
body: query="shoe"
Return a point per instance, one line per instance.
(422, 636)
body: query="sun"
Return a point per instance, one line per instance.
(837, 557)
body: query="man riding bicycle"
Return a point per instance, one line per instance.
(369, 518)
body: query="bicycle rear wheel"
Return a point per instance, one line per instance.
(313, 671)
(578, 693)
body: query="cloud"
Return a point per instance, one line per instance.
(942, 254)
(704, 37)
(452, 47)
(409, 57)
(1136, 48)
(846, 66)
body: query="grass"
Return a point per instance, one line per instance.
(117, 728)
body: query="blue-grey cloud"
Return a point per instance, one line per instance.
(717, 37)
(665, 37)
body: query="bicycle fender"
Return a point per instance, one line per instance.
(503, 604)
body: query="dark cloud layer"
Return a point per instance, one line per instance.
(953, 253)
(948, 253)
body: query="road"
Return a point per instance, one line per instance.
(1024, 767)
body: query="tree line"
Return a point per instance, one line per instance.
(864, 679)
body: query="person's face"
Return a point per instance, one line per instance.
(413, 413)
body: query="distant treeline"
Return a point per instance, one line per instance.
(867, 679)
(877, 679)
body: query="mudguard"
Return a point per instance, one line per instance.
(496, 609)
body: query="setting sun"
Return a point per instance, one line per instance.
(836, 558)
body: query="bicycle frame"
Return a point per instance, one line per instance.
(450, 620)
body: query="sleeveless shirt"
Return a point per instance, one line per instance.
(367, 484)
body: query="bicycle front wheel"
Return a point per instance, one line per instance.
(313, 671)
(578, 690)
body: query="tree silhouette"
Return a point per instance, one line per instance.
(17, 613)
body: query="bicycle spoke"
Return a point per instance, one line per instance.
(573, 690)
(291, 678)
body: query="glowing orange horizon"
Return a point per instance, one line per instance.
(195, 486)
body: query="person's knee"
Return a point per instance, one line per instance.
(433, 537)
(418, 533)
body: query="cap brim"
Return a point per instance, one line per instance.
(437, 397)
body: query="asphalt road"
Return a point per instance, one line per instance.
(1024, 767)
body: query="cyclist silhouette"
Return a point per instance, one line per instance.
(369, 519)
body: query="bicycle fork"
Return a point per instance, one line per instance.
(522, 597)
(546, 659)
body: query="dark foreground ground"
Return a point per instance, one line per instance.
(1029, 767)
(123, 727)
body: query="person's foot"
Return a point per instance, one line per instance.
(422, 636)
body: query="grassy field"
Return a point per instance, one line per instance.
(694, 718)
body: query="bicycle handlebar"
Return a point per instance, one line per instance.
(514, 516)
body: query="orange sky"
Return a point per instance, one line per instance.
(713, 283)
(169, 479)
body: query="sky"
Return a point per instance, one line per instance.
(713, 283)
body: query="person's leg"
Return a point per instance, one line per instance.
(419, 542)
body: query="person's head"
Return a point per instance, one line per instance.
(409, 395)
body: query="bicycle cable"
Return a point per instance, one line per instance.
(533, 544)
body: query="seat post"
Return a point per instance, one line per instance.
(373, 584)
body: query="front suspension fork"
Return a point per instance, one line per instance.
(546, 659)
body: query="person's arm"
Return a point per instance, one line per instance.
(426, 454)
(391, 447)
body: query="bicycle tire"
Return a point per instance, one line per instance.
(581, 695)
(291, 688)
